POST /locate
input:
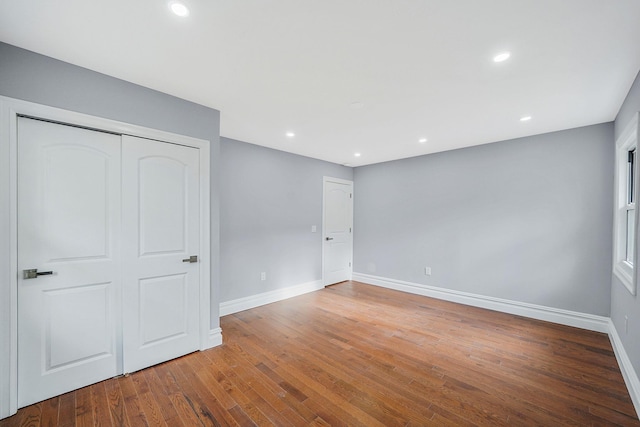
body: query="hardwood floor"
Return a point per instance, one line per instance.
(354, 354)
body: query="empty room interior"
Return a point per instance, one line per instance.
(416, 212)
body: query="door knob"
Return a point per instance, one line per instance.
(328, 238)
(33, 273)
(191, 259)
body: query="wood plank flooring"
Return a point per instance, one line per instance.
(354, 354)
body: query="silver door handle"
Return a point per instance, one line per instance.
(328, 238)
(191, 259)
(33, 273)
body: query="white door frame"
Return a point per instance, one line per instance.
(10, 110)
(326, 179)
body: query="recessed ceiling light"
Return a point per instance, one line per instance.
(290, 134)
(179, 9)
(525, 118)
(356, 154)
(501, 57)
(422, 140)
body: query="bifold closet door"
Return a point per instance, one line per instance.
(68, 258)
(161, 217)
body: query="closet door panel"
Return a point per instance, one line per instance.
(68, 230)
(161, 233)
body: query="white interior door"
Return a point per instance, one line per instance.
(161, 232)
(69, 225)
(337, 230)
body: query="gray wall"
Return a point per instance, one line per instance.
(32, 77)
(622, 302)
(526, 220)
(268, 202)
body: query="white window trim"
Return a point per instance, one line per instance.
(622, 269)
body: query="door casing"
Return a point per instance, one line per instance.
(10, 110)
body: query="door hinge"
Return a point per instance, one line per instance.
(349, 229)
(349, 263)
(351, 195)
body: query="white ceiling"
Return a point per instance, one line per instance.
(418, 68)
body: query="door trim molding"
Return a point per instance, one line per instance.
(326, 179)
(10, 110)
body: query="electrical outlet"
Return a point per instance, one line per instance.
(263, 276)
(313, 229)
(427, 271)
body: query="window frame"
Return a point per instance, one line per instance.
(624, 203)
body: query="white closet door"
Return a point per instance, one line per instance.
(161, 232)
(68, 224)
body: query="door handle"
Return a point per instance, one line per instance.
(328, 238)
(191, 259)
(33, 273)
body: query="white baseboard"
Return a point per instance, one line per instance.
(564, 317)
(241, 304)
(629, 374)
(215, 338)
